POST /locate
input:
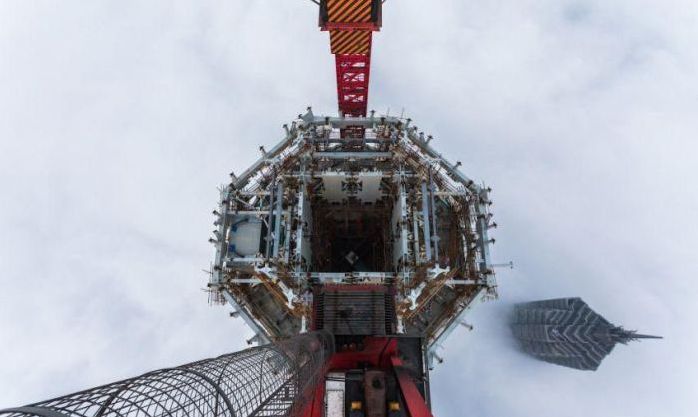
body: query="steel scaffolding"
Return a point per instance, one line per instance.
(269, 380)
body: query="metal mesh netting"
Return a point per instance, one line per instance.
(269, 380)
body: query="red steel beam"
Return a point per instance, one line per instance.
(352, 83)
(414, 401)
(376, 353)
(351, 24)
(315, 407)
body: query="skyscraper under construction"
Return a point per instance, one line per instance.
(352, 248)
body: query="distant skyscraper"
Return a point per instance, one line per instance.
(565, 331)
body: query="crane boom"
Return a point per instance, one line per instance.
(351, 24)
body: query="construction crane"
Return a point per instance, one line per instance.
(351, 24)
(352, 249)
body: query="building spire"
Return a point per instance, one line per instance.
(625, 336)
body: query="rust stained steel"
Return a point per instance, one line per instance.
(432, 288)
(275, 291)
(271, 286)
(241, 293)
(275, 379)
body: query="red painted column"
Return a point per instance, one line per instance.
(414, 401)
(352, 83)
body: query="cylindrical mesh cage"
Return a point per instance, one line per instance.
(269, 380)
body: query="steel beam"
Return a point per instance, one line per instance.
(277, 221)
(425, 221)
(352, 83)
(352, 155)
(416, 405)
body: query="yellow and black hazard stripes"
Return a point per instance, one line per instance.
(351, 24)
(349, 11)
(345, 40)
(357, 42)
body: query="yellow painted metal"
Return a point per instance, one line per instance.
(356, 42)
(349, 11)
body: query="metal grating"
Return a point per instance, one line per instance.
(367, 312)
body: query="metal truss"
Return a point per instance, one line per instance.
(269, 380)
(352, 83)
(351, 24)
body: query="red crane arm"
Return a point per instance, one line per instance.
(351, 24)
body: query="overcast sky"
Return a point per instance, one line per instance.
(118, 119)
